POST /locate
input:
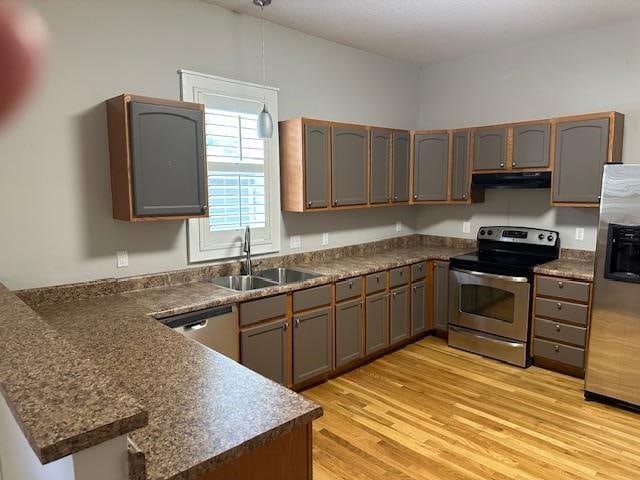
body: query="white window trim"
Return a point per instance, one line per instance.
(194, 83)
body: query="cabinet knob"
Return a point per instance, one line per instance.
(513, 164)
(414, 288)
(378, 278)
(401, 272)
(464, 196)
(557, 327)
(297, 322)
(420, 267)
(501, 164)
(285, 327)
(559, 305)
(395, 198)
(598, 197)
(335, 203)
(560, 284)
(415, 196)
(351, 284)
(556, 348)
(394, 294)
(205, 208)
(309, 203)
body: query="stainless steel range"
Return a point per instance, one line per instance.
(490, 292)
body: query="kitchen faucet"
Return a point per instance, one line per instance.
(247, 249)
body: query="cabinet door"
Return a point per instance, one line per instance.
(440, 295)
(418, 310)
(460, 166)
(490, 149)
(430, 166)
(380, 166)
(399, 324)
(263, 349)
(348, 332)
(580, 153)
(316, 165)
(400, 167)
(531, 146)
(168, 160)
(349, 157)
(376, 322)
(312, 344)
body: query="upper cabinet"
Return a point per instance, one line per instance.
(490, 149)
(430, 166)
(530, 146)
(349, 159)
(583, 144)
(157, 153)
(460, 175)
(316, 165)
(400, 155)
(379, 192)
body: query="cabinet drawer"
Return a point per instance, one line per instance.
(263, 309)
(418, 271)
(376, 282)
(311, 298)
(559, 310)
(567, 289)
(561, 332)
(399, 276)
(349, 288)
(559, 352)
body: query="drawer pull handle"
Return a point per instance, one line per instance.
(297, 322)
(560, 284)
(557, 327)
(351, 284)
(309, 203)
(559, 305)
(415, 289)
(556, 348)
(378, 278)
(401, 272)
(285, 327)
(420, 267)
(394, 294)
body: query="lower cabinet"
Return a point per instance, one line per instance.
(312, 344)
(399, 315)
(441, 295)
(377, 322)
(348, 332)
(263, 349)
(418, 308)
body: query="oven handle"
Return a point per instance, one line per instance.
(506, 278)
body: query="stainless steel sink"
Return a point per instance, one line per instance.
(242, 283)
(284, 275)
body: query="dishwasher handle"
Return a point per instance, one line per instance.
(197, 319)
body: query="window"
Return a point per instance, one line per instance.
(242, 170)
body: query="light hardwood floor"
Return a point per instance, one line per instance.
(432, 412)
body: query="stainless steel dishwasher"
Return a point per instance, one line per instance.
(215, 327)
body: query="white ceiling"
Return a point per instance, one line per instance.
(426, 31)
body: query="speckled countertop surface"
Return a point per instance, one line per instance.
(39, 369)
(576, 264)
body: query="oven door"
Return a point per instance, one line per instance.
(490, 303)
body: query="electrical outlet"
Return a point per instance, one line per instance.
(466, 227)
(398, 226)
(122, 257)
(580, 234)
(325, 239)
(295, 241)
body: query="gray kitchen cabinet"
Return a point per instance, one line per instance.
(316, 165)
(440, 295)
(376, 322)
(399, 315)
(157, 156)
(418, 308)
(531, 146)
(349, 160)
(380, 166)
(312, 344)
(490, 152)
(348, 332)
(430, 166)
(263, 349)
(460, 166)
(400, 166)
(580, 153)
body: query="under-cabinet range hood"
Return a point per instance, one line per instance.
(512, 180)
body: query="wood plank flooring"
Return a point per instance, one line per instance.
(434, 413)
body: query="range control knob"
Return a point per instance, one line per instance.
(550, 238)
(541, 236)
(482, 232)
(490, 232)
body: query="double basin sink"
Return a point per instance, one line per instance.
(266, 278)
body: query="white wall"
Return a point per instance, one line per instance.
(55, 204)
(591, 71)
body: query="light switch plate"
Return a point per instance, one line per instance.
(466, 227)
(295, 241)
(122, 257)
(398, 226)
(580, 234)
(325, 239)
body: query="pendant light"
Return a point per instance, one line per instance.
(264, 127)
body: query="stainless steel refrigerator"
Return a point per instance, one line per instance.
(613, 361)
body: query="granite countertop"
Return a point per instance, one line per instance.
(40, 368)
(576, 264)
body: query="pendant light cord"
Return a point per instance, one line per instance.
(264, 63)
